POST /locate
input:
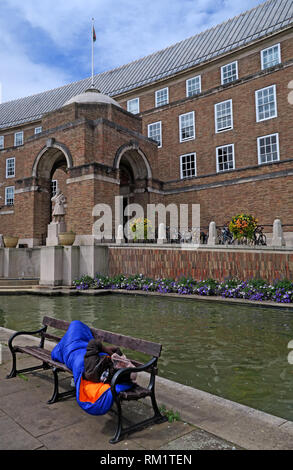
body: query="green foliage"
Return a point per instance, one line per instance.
(170, 414)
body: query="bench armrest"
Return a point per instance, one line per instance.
(128, 370)
(19, 333)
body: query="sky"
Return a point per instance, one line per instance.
(45, 44)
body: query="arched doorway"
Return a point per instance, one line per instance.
(50, 170)
(135, 175)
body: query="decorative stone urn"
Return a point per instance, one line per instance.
(66, 238)
(10, 242)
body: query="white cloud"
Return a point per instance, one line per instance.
(126, 30)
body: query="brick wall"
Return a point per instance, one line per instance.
(219, 264)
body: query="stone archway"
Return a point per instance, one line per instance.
(135, 174)
(54, 157)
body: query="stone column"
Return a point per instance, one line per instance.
(213, 236)
(278, 237)
(120, 236)
(162, 238)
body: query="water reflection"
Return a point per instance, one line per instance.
(236, 352)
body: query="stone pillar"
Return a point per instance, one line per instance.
(1, 262)
(213, 236)
(51, 272)
(278, 237)
(54, 228)
(120, 235)
(162, 238)
(70, 264)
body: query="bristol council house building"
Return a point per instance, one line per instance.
(205, 121)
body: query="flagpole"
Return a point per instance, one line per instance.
(93, 53)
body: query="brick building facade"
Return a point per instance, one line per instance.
(208, 121)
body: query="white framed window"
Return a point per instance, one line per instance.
(223, 116)
(9, 196)
(187, 126)
(188, 165)
(225, 158)
(266, 103)
(54, 187)
(18, 138)
(1, 142)
(38, 130)
(270, 56)
(162, 97)
(155, 132)
(10, 167)
(229, 72)
(193, 86)
(268, 148)
(133, 106)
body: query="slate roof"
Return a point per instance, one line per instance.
(263, 20)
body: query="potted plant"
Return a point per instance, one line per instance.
(10, 241)
(141, 228)
(243, 226)
(66, 238)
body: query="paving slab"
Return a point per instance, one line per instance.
(198, 440)
(14, 437)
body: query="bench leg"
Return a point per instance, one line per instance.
(55, 395)
(117, 436)
(156, 419)
(14, 371)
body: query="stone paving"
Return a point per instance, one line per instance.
(27, 422)
(207, 422)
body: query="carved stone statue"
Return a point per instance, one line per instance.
(59, 210)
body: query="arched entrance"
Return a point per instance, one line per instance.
(135, 175)
(50, 170)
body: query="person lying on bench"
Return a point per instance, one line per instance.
(101, 362)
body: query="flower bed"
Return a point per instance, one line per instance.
(254, 289)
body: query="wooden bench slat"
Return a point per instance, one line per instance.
(43, 355)
(128, 342)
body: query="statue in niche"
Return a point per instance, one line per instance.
(59, 210)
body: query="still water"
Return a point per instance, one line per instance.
(235, 352)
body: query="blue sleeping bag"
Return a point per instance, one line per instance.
(71, 351)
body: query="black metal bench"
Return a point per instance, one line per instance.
(135, 393)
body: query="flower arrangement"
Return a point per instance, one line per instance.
(255, 289)
(243, 225)
(141, 228)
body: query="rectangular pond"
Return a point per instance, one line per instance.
(236, 352)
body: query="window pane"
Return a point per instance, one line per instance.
(9, 196)
(162, 97)
(271, 57)
(1, 142)
(229, 73)
(188, 165)
(193, 86)
(54, 187)
(268, 149)
(225, 158)
(224, 116)
(154, 132)
(10, 167)
(266, 103)
(18, 138)
(187, 126)
(133, 106)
